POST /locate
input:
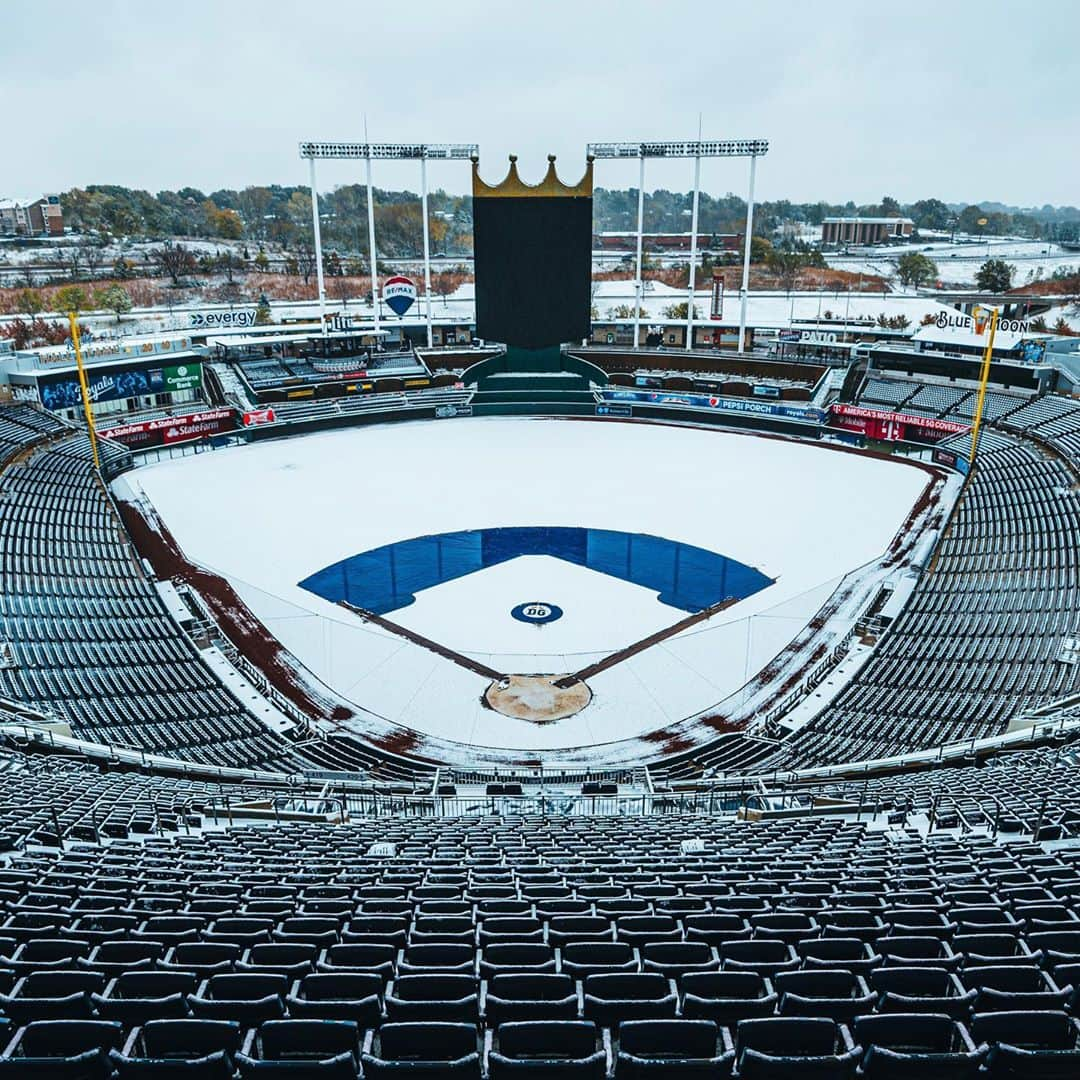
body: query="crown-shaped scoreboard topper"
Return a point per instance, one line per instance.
(513, 187)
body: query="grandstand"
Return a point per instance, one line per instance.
(204, 867)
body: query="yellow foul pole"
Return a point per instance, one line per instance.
(984, 378)
(73, 319)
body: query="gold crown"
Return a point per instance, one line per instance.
(513, 187)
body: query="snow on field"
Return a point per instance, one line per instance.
(268, 515)
(600, 614)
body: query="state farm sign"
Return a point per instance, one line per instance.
(172, 429)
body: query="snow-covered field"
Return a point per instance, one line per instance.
(267, 516)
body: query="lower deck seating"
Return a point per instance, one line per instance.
(806, 947)
(980, 640)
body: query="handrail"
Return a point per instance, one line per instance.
(1047, 722)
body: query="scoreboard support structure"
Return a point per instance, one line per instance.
(367, 151)
(696, 149)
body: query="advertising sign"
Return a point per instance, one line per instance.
(732, 405)
(892, 427)
(111, 350)
(447, 412)
(1032, 352)
(716, 305)
(947, 427)
(172, 429)
(614, 410)
(63, 393)
(181, 377)
(399, 293)
(219, 320)
(259, 416)
(977, 323)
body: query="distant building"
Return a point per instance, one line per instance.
(865, 230)
(36, 217)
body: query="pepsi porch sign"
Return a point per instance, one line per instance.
(399, 293)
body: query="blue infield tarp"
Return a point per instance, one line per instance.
(387, 578)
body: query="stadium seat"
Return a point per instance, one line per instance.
(302, 1049)
(63, 1049)
(921, 989)
(919, 1046)
(766, 956)
(351, 996)
(547, 1048)
(612, 998)
(201, 959)
(136, 997)
(837, 995)
(686, 1049)
(293, 960)
(1013, 988)
(584, 958)
(511, 957)
(726, 996)
(422, 1051)
(673, 959)
(166, 1048)
(53, 995)
(434, 997)
(376, 959)
(1029, 1044)
(781, 1047)
(247, 999)
(544, 996)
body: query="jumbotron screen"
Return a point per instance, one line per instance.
(533, 258)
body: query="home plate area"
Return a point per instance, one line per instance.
(540, 699)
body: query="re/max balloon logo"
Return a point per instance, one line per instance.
(399, 294)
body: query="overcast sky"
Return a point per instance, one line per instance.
(954, 99)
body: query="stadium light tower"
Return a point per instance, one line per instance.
(696, 149)
(345, 151)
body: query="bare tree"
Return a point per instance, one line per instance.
(92, 256)
(786, 265)
(228, 262)
(341, 289)
(446, 283)
(305, 261)
(174, 259)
